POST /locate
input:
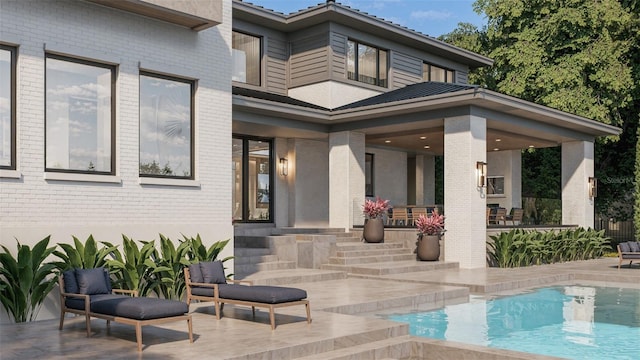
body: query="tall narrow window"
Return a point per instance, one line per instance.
(436, 73)
(252, 164)
(368, 175)
(166, 126)
(246, 58)
(7, 107)
(366, 64)
(79, 116)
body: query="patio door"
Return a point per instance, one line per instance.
(252, 164)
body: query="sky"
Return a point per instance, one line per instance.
(430, 17)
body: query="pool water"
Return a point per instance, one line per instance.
(574, 322)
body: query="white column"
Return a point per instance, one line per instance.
(346, 179)
(464, 202)
(577, 167)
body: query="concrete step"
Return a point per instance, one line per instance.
(384, 258)
(246, 269)
(289, 230)
(361, 245)
(372, 252)
(245, 260)
(240, 252)
(293, 276)
(389, 268)
(399, 347)
(347, 240)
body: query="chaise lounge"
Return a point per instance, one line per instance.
(206, 281)
(629, 250)
(88, 292)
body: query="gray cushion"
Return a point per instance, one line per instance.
(139, 308)
(195, 274)
(78, 303)
(93, 281)
(634, 246)
(70, 282)
(631, 256)
(262, 294)
(624, 247)
(213, 272)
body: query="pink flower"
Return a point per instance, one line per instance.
(374, 209)
(431, 225)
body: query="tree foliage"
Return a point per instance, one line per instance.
(578, 56)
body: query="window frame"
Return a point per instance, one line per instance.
(379, 81)
(113, 68)
(446, 73)
(245, 178)
(260, 56)
(192, 161)
(371, 174)
(13, 68)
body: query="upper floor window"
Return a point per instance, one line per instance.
(366, 63)
(79, 132)
(166, 126)
(7, 107)
(436, 73)
(246, 59)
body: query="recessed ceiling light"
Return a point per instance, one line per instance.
(422, 137)
(427, 147)
(387, 141)
(498, 139)
(495, 149)
(531, 146)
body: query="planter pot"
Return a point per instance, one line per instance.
(373, 231)
(428, 247)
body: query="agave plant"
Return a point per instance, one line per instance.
(26, 281)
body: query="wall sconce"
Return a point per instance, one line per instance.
(593, 187)
(481, 173)
(284, 167)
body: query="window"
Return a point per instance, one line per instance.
(166, 126)
(366, 64)
(7, 108)
(435, 73)
(252, 164)
(79, 116)
(495, 185)
(246, 59)
(368, 174)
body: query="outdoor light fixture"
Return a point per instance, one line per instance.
(593, 187)
(481, 173)
(284, 167)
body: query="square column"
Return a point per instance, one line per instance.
(425, 180)
(577, 167)
(346, 179)
(464, 202)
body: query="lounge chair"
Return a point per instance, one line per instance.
(206, 281)
(88, 292)
(629, 250)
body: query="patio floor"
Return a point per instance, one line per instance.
(344, 322)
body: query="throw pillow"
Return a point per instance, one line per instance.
(70, 282)
(213, 272)
(195, 273)
(92, 281)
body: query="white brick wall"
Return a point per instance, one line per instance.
(32, 207)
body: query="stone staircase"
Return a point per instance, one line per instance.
(294, 255)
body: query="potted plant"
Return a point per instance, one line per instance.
(430, 229)
(373, 231)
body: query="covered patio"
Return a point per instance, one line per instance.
(466, 124)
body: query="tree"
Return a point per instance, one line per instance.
(578, 56)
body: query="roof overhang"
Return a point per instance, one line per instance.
(193, 14)
(341, 14)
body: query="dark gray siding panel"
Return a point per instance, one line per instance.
(308, 63)
(338, 56)
(462, 77)
(406, 70)
(276, 65)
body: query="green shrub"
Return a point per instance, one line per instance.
(529, 247)
(25, 281)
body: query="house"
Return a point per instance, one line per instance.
(120, 117)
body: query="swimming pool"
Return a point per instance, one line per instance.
(575, 322)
